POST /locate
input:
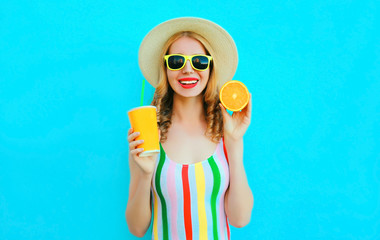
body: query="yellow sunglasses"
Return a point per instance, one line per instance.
(177, 61)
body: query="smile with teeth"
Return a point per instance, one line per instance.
(188, 82)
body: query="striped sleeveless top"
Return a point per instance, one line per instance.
(188, 199)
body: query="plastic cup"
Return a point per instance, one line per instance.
(144, 120)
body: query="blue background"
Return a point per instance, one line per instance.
(69, 73)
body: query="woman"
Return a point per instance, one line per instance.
(198, 180)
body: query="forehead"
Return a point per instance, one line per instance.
(187, 45)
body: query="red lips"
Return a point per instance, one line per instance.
(188, 82)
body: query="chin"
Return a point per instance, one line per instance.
(189, 94)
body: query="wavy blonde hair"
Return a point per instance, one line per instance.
(163, 95)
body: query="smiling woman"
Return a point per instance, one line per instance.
(196, 184)
(187, 77)
(207, 83)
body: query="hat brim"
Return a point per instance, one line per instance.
(224, 50)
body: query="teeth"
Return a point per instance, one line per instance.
(188, 82)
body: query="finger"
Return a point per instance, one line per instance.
(136, 151)
(134, 144)
(224, 111)
(129, 132)
(132, 136)
(247, 109)
(159, 134)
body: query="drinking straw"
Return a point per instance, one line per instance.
(142, 93)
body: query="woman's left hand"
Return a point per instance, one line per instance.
(236, 125)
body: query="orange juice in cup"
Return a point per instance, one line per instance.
(144, 120)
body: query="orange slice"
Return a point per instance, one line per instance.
(234, 95)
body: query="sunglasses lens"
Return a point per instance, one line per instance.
(176, 62)
(200, 62)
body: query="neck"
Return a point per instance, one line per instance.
(188, 109)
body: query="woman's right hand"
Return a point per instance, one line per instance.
(145, 164)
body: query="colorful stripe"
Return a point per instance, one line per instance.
(188, 199)
(220, 201)
(187, 202)
(224, 175)
(173, 199)
(228, 229)
(194, 202)
(209, 187)
(155, 207)
(215, 190)
(201, 190)
(225, 151)
(180, 212)
(159, 192)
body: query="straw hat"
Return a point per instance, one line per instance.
(224, 52)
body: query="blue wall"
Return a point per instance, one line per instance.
(69, 73)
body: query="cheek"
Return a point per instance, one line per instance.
(205, 75)
(171, 76)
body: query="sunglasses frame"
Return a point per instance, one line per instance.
(190, 58)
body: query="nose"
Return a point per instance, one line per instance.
(187, 68)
